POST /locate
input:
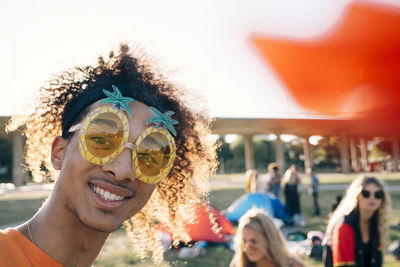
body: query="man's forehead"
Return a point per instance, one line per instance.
(139, 109)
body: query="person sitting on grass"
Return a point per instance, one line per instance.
(125, 148)
(259, 242)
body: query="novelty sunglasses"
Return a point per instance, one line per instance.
(377, 194)
(104, 135)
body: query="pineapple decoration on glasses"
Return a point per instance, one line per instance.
(163, 119)
(118, 99)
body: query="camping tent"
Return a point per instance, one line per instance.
(253, 200)
(201, 228)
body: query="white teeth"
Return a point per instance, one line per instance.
(106, 195)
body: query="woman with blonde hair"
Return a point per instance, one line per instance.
(251, 177)
(358, 229)
(260, 243)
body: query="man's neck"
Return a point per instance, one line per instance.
(54, 225)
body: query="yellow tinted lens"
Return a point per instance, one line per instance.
(104, 134)
(153, 154)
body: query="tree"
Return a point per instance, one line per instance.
(224, 154)
(384, 145)
(5, 160)
(381, 149)
(294, 153)
(237, 162)
(264, 153)
(327, 153)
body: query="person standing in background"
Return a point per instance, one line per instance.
(251, 177)
(291, 185)
(274, 179)
(314, 190)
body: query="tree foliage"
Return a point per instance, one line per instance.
(327, 153)
(382, 150)
(237, 162)
(294, 153)
(264, 153)
(232, 158)
(384, 145)
(5, 160)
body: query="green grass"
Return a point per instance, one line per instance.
(117, 251)
(223, 198)
(20, 206)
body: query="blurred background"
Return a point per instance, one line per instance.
(319, 76)
(308, 82)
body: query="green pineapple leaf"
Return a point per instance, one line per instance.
(118, 99)
(163, 119)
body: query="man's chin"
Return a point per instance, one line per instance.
(101, 225)
(104, 228)
(107, 230)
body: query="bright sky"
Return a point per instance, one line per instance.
(203, 45)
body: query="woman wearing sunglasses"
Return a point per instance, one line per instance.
(124, 148)
(357, 232)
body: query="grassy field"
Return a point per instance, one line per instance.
(117, 252)
(20, 206)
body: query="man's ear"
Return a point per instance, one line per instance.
(58, 149)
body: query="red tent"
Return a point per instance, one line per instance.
(352, 70)
(202, 228)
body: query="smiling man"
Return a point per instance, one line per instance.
(125, 150)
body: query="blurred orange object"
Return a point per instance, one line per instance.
(353, 70)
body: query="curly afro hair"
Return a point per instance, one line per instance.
(64, 101)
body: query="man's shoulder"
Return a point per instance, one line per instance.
(8, 246)
(17, 250)
(6, 235)
(9, 240)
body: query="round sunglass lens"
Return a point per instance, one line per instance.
(153, 154)
(379, 194)
(104, 134)
(365, 193)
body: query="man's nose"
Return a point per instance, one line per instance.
(121, 166)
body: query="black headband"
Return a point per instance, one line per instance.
(75, 109)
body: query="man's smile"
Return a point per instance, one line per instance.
(108, 195)
(105, 194)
